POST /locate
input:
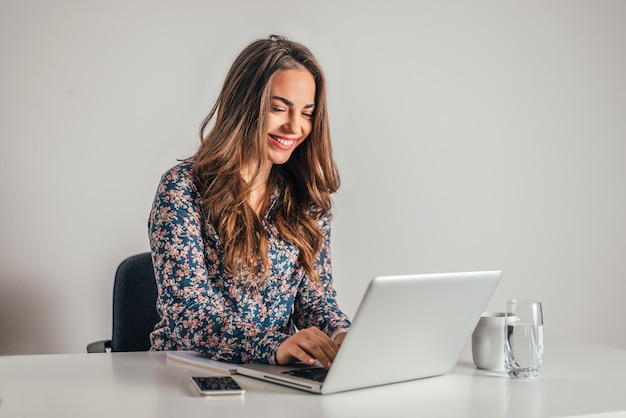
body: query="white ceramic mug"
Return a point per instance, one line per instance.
(488, 341)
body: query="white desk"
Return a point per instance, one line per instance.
(578, 379)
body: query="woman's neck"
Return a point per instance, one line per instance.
(258, 187)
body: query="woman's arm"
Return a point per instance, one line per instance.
(201, 308)
(316, 313)
(316, 305)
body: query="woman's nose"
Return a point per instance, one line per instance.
(292, 124)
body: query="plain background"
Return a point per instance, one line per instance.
(470, 135)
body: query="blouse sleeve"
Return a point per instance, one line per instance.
(198, 313)
(316, 305)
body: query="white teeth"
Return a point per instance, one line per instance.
(282, 141)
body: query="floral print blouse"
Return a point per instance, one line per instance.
(203, 309)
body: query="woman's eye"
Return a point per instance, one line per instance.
(308, 115)
(276, 109)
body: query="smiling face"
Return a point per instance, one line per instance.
(290, 119)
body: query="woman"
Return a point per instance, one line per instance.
(240, 232)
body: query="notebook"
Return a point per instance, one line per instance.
(406, 327)
(193, 358)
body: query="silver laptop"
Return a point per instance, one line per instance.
(407, 327)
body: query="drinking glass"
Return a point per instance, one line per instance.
(523, 339)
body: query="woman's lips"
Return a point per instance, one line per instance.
(282, 142)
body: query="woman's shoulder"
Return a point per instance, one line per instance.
(181, 173)
(184, 167)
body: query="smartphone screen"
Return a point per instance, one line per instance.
(217, 385)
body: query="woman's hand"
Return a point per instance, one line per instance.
(307, 345)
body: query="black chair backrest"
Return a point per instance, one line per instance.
(134, 304)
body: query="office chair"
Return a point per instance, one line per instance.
(134, 307)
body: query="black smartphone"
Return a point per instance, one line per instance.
(217, 385)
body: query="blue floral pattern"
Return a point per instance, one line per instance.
(205, 309)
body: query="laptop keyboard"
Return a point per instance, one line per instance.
(317, 374)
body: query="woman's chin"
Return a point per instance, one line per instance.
(279, 158)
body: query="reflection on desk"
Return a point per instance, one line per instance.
(578, 379)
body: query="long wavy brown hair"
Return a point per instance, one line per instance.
(238, 139)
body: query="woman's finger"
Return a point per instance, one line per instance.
(307, 346)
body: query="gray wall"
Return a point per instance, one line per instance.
(470, 135)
